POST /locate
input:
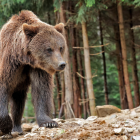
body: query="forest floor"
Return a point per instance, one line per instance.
(117, 126)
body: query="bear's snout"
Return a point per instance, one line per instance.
(61, 65)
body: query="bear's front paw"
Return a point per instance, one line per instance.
(49, 124)
(6, 124)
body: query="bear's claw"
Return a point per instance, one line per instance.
(50, 124)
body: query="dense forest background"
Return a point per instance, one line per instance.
(106, 32)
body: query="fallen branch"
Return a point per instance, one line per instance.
(61, 110)
(86, 77)
(70, 109)
(91, 46)
(97, 53)
(98, 46)
(83, 101)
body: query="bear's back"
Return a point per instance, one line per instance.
(11, 32)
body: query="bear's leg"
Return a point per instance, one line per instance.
(5, 120)
(42, 87)
(17, 107)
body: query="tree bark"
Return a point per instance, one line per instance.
(49, 18)
(67, 71)
(124, 55)
(76, 85)
(81, 71)
(104, 60)
(123, 97)
(76, 89)
(82, 83)
(134, 62)
(88, 69)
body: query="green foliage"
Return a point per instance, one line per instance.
(10, 7)
(29, 109)
(89, 3)
(82, 13)
(137, 3)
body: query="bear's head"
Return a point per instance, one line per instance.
(46, 46)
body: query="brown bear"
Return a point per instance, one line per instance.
(30, 53)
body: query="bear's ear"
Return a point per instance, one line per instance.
(59, 27)
(30, 30)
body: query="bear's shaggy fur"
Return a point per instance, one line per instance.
(30, 52)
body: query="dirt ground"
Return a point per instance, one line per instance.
(117, 126)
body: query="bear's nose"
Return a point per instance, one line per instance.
(62, 65)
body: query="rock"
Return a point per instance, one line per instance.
(137, 109)
(30, 134)
(129, 123)
(136, 137)
(113, 116)
(26, 127)
(72, 119)
(111, 121)
(52, 134)
(133, 115)
(80, 122)
(105, 110)
(139, 119)
(135, 132)
(118, 130)
(59, 120)
(14, 134)
(42, 128)
(115, 125)
(139, 128)
(124, 138)
(42, 132)
(91, 118)
(126, 111)
(34, 129)
(125, 131)
(130, 130)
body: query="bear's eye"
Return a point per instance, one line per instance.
(49, 50)
(61, 48)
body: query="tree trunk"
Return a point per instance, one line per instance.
(76, 85)
(124, 56)
(88, 69)
(123, 97)
(49, 18)
(67, 71)
(76, 88)
(81, 71)
(104, 60)
(82, 84)
(134, 63)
